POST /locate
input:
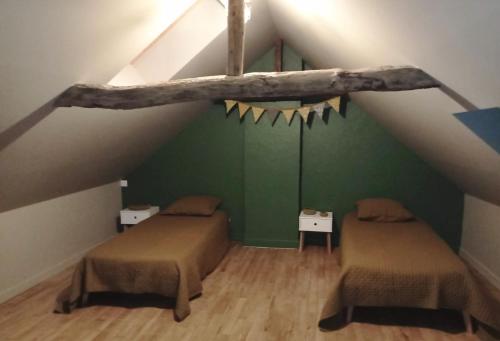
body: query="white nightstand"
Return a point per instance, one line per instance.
(316, 223)
(132, 217)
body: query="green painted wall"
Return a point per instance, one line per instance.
(205, 158)
(354, 157)
(266, 173)
(271, 181)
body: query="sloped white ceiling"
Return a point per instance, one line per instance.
(456, 41)
(49, 45)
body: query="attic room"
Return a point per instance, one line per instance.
(250, 169)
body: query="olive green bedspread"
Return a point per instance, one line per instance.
(403, 265)
(166, 255)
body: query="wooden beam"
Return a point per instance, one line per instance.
(235, 37)
(251, 86)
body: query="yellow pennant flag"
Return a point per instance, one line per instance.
(288, 113)
(335, 103)
(243, 108)
(257, 113)
(229, 105)
(304, 113)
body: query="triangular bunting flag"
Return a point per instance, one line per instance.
(288, 113)
(304, 113)
(318, 109)
(272, 114)
(243, 108)
(229, 105)
(335, 103)
(257, 113)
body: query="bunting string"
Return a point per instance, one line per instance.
(288, 113)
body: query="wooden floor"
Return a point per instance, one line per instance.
(255, 294)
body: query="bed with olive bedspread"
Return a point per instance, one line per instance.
(403, 264)
(165, 254)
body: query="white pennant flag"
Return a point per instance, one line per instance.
(243, 108)
(257, 113)
(318, 109)
(229, 105)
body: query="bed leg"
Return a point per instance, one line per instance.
(350, 310)
(85, 299)
(468, 323)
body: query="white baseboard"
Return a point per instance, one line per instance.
(481, 268)
(8, 293)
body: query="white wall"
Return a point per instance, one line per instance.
(183, 41)
(46, 46)
(481, 237)
(49, 45)
(40, 240)
(129, 75)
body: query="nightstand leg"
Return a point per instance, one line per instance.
(301, 243)
(329, 241)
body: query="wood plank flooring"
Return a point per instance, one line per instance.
(254, 294)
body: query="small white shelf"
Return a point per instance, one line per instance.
(316, 223)
(132, 217)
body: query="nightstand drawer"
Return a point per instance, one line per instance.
(315, 225)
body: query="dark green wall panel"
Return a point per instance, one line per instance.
(271, 182)
(271, 169)
(354, 157)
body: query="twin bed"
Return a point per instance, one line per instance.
(403, 264)
(165, 254)
(383, 263)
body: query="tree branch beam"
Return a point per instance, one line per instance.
(251, 86)
(235, 37)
